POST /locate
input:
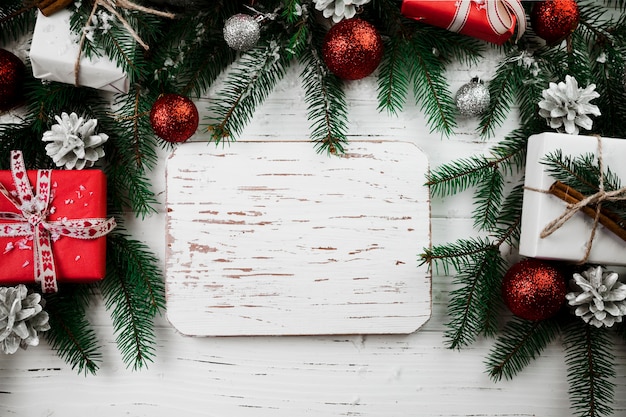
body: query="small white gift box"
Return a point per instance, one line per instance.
(53, 54)
(569, 242)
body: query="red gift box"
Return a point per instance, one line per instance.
(490, 20)
(74, 221)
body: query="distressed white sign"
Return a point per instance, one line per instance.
(270, 238)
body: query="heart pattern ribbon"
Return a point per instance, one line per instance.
(499, 15)
(31, 221)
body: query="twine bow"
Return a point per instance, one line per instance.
(32, 221)
(111, 6)
(594, 200)
(499, 15)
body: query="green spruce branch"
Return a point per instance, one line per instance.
(521, 341)
(246, 87)
(430, 87)
(326, 104)
(589, 358)
(393, 81)
(133, 294)
(16, 20)
(71, 334)
(473, 305)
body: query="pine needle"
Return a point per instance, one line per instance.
(133, 295)
(70, 333)
(521, 341)
(589, 358)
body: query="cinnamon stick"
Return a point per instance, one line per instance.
(606, 218)
(50, 7)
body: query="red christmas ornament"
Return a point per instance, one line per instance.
(174, 118)
(554, 20)
(533, 289)
(352, 49)
(12, 72)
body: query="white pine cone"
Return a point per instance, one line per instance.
(565, 106)
(21, 318)
(339, 9)
(598, 297)
(73, 142)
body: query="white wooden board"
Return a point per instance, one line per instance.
(269, 238)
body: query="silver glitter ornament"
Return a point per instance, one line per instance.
(241, 32)
(473, 98)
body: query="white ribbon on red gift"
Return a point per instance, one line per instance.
(499, 15)
(32, 221)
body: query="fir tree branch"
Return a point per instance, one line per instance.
(487, 199)
(246, 87)
(521, 341)
(472, 306)
(455, 255)
(464, 173)
(588, 355)
(510, 217)
(70, 333)
(430, 87)
(133, 129)
(393, 84)
(501, 93)
(124, 291)
(16, 20)
(458, 175)
(326, 104)
(142, 267)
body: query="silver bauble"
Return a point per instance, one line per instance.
(241, 32)
(473, 98)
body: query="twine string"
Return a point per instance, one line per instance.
(594, 200)
(112, 6)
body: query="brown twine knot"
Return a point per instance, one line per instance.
(591, 205)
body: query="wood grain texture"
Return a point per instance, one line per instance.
(274, 239)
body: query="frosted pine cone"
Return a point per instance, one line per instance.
(73, 142)
(339, 9)
(565, 106)
(598, 297)
(21, 318)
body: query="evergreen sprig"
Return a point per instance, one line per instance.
(521, 342)
(71, 334)
(246, 87)
(16, 20)
(325, 99)
(589, 358)
(133, 293)
(472, 306)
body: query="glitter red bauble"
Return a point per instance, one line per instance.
(352, 49)
(533, 289)
(12, 72)
(554, 20)
(174, 118)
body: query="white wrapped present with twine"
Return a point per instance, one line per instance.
(554, 229)
(54, 52)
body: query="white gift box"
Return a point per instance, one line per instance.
(54, 50)
(569, 242)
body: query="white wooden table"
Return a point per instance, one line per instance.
(321, 376)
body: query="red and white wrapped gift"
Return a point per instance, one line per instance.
(52, 225)
(494, 21)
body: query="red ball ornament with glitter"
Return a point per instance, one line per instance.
(12, 72)
(352, 49)
(174, 118)
(554, 20)
(534, 290)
